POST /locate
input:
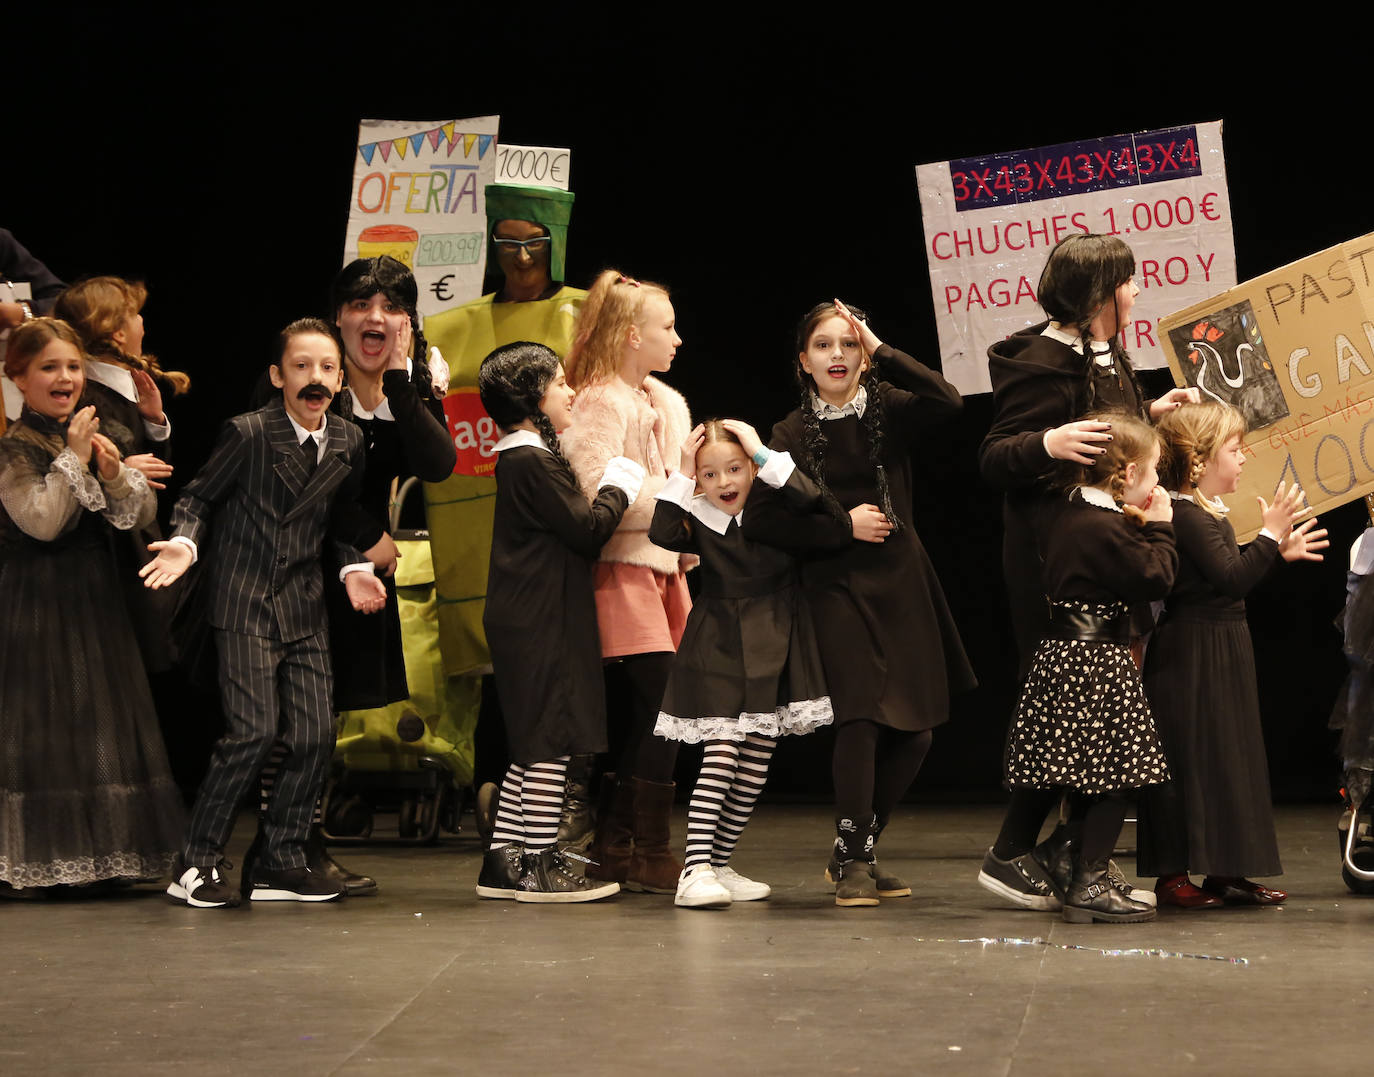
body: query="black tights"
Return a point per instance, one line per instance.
(642, 754)
(1103, 818)
(873, 767)
(1097, 818)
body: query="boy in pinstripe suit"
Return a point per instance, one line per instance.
(279, 482)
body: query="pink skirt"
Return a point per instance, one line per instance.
(639, 611)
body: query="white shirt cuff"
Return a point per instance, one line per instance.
(1268, 534)
(361, 566)
(624, 474)
(778, 469)
(158, 431)
(195, 553)
(679, 490)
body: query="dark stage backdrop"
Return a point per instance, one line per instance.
(754, 167)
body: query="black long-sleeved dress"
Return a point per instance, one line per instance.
(86, 793)
(1215, 816)
(748, 661)
(540, 616)
(889, 644)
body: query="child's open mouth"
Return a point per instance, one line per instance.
(838, 372)
(372, 342)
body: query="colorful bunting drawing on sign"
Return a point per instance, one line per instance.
(444, 132)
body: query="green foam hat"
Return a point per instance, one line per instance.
(542, 205)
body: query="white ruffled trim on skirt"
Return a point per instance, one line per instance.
(790, 719)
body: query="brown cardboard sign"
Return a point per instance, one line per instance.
(1294, 351)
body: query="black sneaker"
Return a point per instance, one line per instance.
(500, 872)
(293, 884)
(202, 888)
(548, 878)
(1022, 881)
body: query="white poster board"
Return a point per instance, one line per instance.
(990, 222)
(534, 166)
(418, 195)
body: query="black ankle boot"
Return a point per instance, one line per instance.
(501, 869)
(317, 858)
(1094, 897)
(1055, 857)
(577, 825)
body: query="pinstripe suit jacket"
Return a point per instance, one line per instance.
(271, 518)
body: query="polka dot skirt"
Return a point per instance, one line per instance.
(1083, 720)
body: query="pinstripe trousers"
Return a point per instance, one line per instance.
(268, 689)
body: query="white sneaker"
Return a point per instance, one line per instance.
(698, 888)
(741, 888)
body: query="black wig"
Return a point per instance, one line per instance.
(512, 381)
(363, 278)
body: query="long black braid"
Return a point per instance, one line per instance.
(421, 375)
(873, 421)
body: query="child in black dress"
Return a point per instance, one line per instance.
(540, 620)
(890, 649)
(748, 669)
(1082, 722)
(86, 795)
(1215, 815)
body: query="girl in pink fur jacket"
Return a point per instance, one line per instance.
(625, 334)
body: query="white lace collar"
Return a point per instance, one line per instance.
(1095, 496)
(516, 438)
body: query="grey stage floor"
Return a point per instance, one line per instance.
(424, 978)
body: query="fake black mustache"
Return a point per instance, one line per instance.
(315, 391)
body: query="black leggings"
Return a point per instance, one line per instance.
(873, 767)
(643, 677)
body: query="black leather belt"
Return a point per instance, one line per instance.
(1089, 627)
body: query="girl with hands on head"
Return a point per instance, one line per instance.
(87, 796)
(1082, 723)
(888, 644)
(1215, 816)
(748, 670)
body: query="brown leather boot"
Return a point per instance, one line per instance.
(610, 849)
(653, 867)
